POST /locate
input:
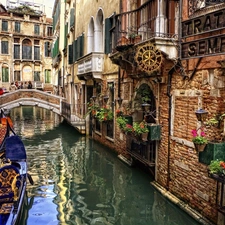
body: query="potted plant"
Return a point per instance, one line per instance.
(119, 112)
(216, 170)
(199, 140)
(217, 167)
(124, 125)
(104, 114)
(131, 37)
(92, 108)
(141, 129)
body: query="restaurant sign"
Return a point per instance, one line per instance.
(206, 46)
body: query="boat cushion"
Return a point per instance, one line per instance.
(10, 182)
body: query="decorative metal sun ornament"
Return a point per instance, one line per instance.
(148, 58)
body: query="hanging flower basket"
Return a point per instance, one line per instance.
(199, 147)
(199, 140)
(144, 136)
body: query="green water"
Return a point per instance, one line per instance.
(80, 182)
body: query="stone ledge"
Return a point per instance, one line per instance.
(185, 207)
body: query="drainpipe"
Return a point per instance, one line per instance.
(72, 81)
(169, 124)
(119, 82)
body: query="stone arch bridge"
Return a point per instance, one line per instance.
(33, 97)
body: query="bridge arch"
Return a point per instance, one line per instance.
(31, 97)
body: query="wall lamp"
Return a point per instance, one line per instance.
(105, 99)
(201, 114)
(93, 98)
(120, 100)
(145, 107)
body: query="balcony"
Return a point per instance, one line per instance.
(147, 23)
(90, 66)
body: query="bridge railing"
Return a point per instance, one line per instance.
(78, 110)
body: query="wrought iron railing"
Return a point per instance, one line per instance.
(147, 21)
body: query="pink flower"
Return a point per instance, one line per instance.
(202, 134)
(194, 133)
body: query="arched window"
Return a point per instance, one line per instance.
(99, 32)
(26, 49)
(90, 36)
(5, 73)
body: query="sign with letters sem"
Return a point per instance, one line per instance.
(206, 24)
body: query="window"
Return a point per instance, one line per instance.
(17, 75)
(97, 126)
(36, 52)
(17, 27)
(47, 76)
(37, 76)
(16, 51)
(36, 29)
(4, 25)
(16, 48)
(27, 49)
(4, 46)
(47, 49)
(108, 34)
(5, 73)
(49, 31)
(109, 129)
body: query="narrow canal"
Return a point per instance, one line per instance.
(80, 182)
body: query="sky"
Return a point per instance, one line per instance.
(48, 4)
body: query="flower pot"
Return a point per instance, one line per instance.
(144, 136)
(200, 147)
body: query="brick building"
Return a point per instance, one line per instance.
(166, 54)
(26, 37)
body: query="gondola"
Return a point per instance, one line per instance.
(13, 174)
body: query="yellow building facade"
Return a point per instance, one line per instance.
(26, 37)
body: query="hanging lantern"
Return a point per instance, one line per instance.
(145, 107)
(119, 100)
(93, 98)
(201, 114)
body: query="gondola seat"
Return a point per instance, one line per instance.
(10, 182)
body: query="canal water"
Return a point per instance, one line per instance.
(80, 182)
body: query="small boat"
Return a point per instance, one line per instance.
(13, 174)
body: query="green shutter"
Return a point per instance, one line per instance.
(74, 51)
(82, 45)
(108, 37)
(65, 35)
(70, 54)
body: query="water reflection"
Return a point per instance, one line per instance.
(78, 181)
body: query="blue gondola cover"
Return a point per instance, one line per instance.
(14, 148)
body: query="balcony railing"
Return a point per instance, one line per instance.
(91, 65)
(148, 21)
